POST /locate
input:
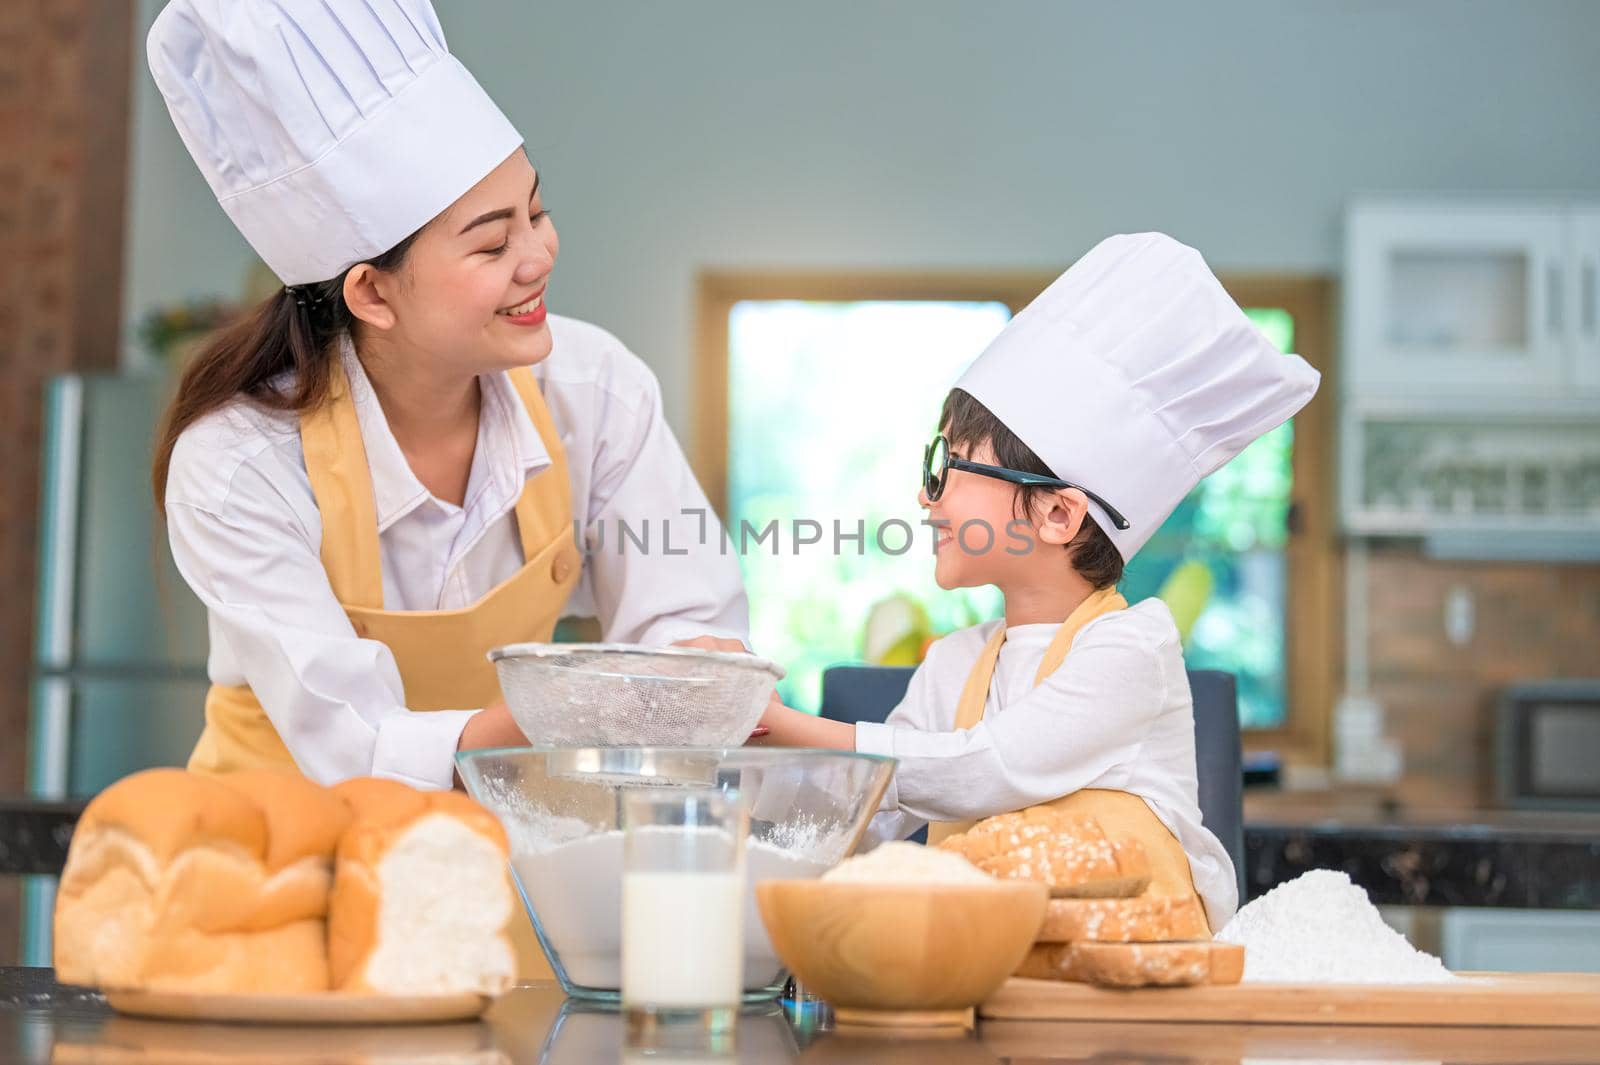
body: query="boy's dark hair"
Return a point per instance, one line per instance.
(969, 424)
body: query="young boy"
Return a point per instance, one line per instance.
(1061, 451)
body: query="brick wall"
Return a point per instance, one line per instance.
(1532, 621)
(64, 83)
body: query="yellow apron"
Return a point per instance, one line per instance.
(1121, 814)
(441, 654)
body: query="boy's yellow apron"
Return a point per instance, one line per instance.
(441, 654)
(1122, 815)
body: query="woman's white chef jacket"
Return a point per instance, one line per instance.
(246, 534)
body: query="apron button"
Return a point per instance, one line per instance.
(561, 569)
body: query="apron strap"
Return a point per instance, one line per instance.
(341, 482)
(1104, 601)
(975, 693)
(535, 522)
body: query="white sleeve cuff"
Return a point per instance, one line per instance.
(667, 631)
(873, 737)
(419, 747)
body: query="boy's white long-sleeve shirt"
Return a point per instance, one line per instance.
(1117, 714)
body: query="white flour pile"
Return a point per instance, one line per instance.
(902, 863)
(1320, 928)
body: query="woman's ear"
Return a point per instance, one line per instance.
(366, 293)
(1067, 508)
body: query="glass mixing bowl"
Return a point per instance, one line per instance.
(561, 808)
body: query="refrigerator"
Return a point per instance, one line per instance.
(118, 676)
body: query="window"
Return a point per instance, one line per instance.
(826, 389)
(1219, 563)
(830, 406)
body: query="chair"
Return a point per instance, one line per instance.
(868, 693)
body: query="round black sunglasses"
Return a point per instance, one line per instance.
(937, 462)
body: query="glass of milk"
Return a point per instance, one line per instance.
(683, 874)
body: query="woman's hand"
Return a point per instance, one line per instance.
(492, 726)
(713, 643)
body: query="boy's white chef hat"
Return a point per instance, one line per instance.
(329, 131)
(1135, 375)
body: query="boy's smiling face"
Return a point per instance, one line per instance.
(1028, 541)
(981, 538)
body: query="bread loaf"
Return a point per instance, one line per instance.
(289, 959)
(1128, 965)
(1143, 919)
(280, 944)
(178, 881)
(421, 896)
(304, 823)
(1071, 854)
(159, 854)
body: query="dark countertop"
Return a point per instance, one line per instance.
(1481, 858)
(42, 1022)
(1532, 861)
(34, 834)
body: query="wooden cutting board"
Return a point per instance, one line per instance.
(1521, 1000)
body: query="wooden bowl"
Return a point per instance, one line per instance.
(902, 955)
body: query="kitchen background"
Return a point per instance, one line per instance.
(695, 155)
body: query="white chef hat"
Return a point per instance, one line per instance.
(1135, 375)
(330, 130)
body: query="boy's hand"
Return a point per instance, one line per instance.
(795, 728)
(763, 735)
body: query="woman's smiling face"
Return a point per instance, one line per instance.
(472, 290)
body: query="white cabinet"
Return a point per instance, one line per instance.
(1470, 413)
(1482, 940)
(1455, 300)
(1419, 472)
(1584, 355)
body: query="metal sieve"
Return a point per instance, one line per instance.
(621, 695)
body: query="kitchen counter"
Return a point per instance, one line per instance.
(1485, 858)
(41, 1021)
(1447, 858)
(34, 834)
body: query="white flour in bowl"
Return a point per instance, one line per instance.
(1322, 929)
(907, 863)
(576, 889)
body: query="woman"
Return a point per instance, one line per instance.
(388, 467)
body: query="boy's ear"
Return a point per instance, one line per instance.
(1067, 509)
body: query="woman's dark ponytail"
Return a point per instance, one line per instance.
(294, 332)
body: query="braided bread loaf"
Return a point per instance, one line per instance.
(1071, 854)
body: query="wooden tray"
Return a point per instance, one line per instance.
(1520, 1000)
(328, 1008)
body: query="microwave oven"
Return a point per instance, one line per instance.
(1548, 746)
